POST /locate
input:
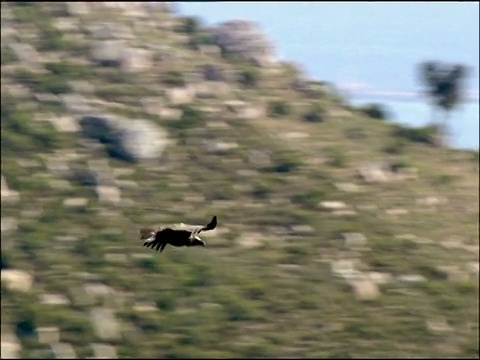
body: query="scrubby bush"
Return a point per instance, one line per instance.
(426, 134)
(396, 146)
(24, 316)
(189, 25)
(199, 39)
(337, 158)
(237, 308)
(118, 93)
(213, 72)
(315, 115)
(25, 11)
(5, 262)
(355, 133)
(261, 191)
(287, 162)
(68, 70)
(174, 78)
(375, 111)
(43, 83)
(20, 134)
(249, 76)
(51, 39)
(166, 302)
(8, 56)
(309, 198)
(191, 118)
(278, 108)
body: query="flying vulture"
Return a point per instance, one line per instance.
(176, 235)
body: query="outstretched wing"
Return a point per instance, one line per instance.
(210, 226)
(158, 239)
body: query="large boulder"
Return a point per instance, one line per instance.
(108, 52)
(116, 53)
(17, 280)
(245, 38)
(127, 139)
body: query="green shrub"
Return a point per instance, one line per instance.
(68, 70)
(221, 192)
(16, 121)
(396, 146)
(199, 39)
(278, 108)
(254, 289)
(431, 272)
(46, 138)
(425, 134)
(285, 162)
(191, 118)
(315, 115)
(6, 259)
(75, 48)
(444, 180)
(19, 134)
(337, 158)
(25, 13)
(466, 287)
(24, 317)
(238, 309)
(355, 133)
(51, 39)
(43, 83)
(174, 78)
(24, 77)
(249, 76)
(75, 326)
(200, 276)
(8, 56)
(149, 264)
(261, 191)
(189, 25)
(166, 302)
(52, 84)
(291, 70)
(309, 198)
(118, 93)
(375, 111)
(296, 253)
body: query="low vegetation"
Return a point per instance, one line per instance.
(311, 195)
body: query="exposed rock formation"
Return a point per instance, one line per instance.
(246, 39)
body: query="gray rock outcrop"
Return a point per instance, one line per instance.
(245, 38)
(116, 53)
(131, 140)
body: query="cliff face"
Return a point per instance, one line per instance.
(338, 234)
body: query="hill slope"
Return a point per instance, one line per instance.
(340, 235)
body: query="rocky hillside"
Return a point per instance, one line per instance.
(340, 234)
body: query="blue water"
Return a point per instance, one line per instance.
(463, 126)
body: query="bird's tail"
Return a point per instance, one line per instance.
(211, 225)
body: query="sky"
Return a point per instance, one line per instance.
(369, 45)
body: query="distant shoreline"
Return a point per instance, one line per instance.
(399, 95)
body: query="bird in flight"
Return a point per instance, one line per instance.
(176, 235)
